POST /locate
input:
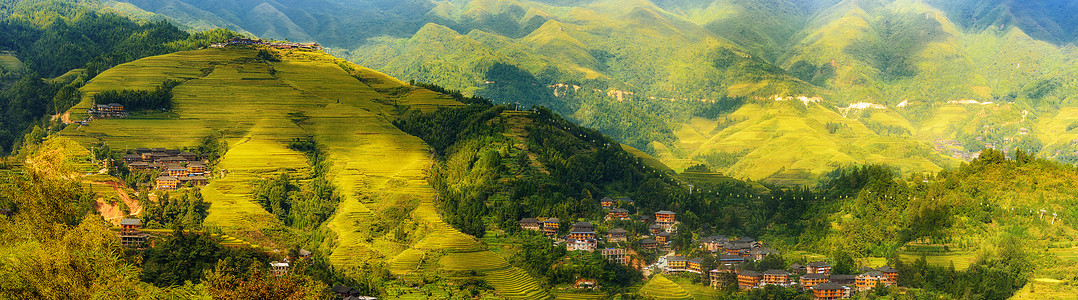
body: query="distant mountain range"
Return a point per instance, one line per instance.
(781, 90)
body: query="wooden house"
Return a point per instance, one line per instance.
(730, 262)
(663, 237)
(530, 224)
(130, 158)
(138, 165)
(607, 203)
(665, 218)
(167, 183)
(642, 219)
(171, 160)
(818, 267)
(655, 228)
(890, 273)
(812, 279)
(617, 214)
(830, 291)
(676, 264)
(584, 283)
(177, 172)
(615, 255)
(716, 277)
(869, 280)
(741, 249)
(582, 230)
(617, 235)
(847, 280)
(193, 180)
(777, 277)
(649, 244)
(131, 233)
(188, 156)
(695, 265)
(760, 253)
(714, 243)
(797, 269)
(748, 279)
(550, 226)
(196, 168)
(140, 151)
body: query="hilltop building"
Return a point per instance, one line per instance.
(830, 291)
(617, 235)
(747, 279)
(131, 233)
(665, 219)
(530, 224)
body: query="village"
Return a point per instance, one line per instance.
(176, 168)
(730, 255)
(275, 45)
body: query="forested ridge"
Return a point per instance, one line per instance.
(58, 38)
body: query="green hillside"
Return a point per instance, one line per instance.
(387, 212)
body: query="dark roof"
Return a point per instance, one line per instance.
(819, 264)
(664, 233)
(814, 276)
(606, 199)
(186, 153)
(654, 226)
(552, 220)
(132, 156)
(677, 258)
(842, 278)
(169, 178)
(829, 286)
(731, 257)
(619, 210)
(529, 220)
(796, 266)
(748, 273)
(777, 272)
(139, 163)
(873, 274)
(866, 269)
(142, 149)
(665, 212)
(697, 260)
(887, 269)
(617, 230)
(130, 221)
(340, 289)
(304, 252)
(647, 241)
(744, 239)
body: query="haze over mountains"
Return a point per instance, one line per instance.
(733, 84)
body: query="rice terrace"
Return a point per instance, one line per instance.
(539, 149)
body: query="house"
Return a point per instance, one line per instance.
(655, 228)
(891, 274)
(777, 277)
(171, 160)
(648, 244)
(607, 203)
(847, 280)
(797, 269)
(530, 224)
(617, 235)
(582, 230)
(695, 265)
(730, 262)
(663, 237)
(869, 280)
(676, 264)
(830, 291)
(818, 267)
(760, 253)
(572, 244)
(714, 243)
(177, 172)
(664, 218)
(304, 254)
(748, 279)
(584, 283)
(193, 180)
(167, 183)
(196, 168)
(614, 254)
(130, 158)
(279, 268)
(188, 156)
(550, 226)
(140, 151)
(752, 243)
(1023, 131)
(642, 219)
(737, 249)
(812, 279)
(617, 214)
(138, 165)
(716, 277)
(131, 233)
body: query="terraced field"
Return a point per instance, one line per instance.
(660, 287)
(387, 212)
(11, 63)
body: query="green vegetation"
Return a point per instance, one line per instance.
(138, 100)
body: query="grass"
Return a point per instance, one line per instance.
(11, 63)
(1045, 288)
(659, 287)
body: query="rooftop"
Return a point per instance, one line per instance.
(829, 286)
(618, 231)
(777, 272)
(664, 212)
(748, 273)
(130, 221)
(817, 264)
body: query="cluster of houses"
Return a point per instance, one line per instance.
(107, 111)
(583, 236)
(815, 277)
(177, 168)
(276, 45)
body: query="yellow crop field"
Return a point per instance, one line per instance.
(660, 287)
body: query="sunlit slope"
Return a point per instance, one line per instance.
(790, 142)
(387, 214)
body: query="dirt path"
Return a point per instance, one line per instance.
(112, 212)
